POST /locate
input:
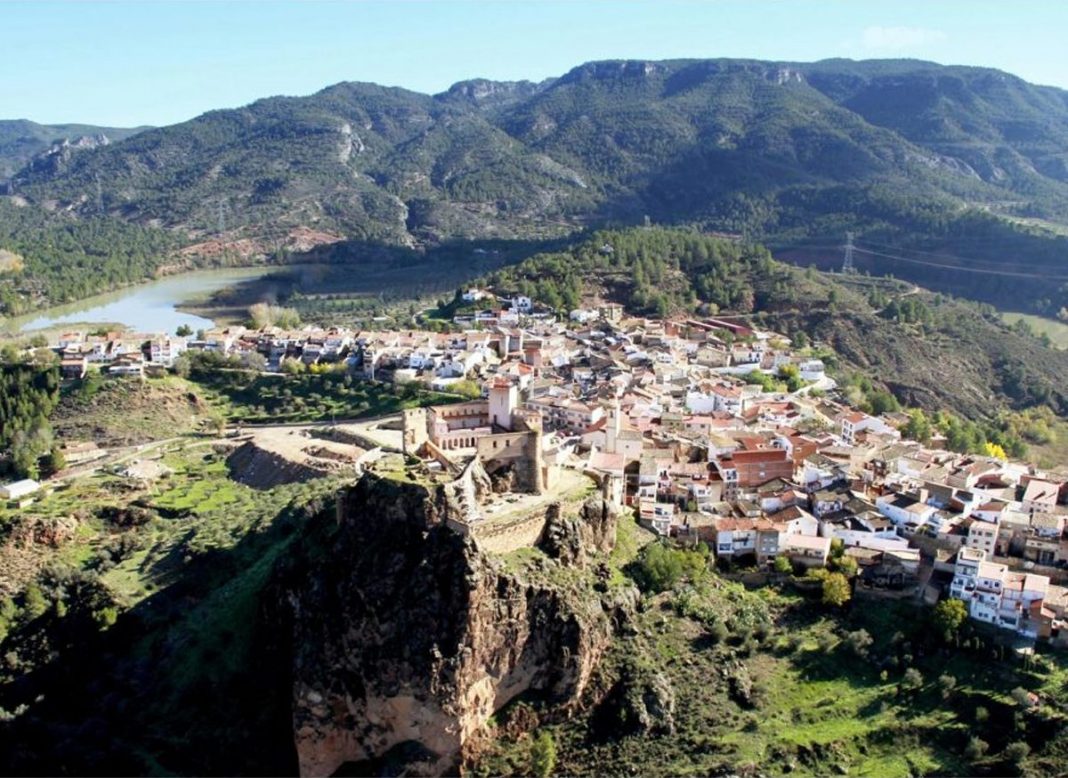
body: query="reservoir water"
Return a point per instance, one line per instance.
(150, 307)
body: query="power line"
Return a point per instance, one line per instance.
(961, 268)
(971, 262)
(967, 266)
(847, 262)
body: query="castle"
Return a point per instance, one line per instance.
(505, 438)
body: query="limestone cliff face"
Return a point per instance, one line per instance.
(405, 638)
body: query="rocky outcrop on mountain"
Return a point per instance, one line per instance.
(55, 159)
(404, 638)
(572, 539)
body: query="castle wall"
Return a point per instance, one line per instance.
(521, 448)
(415, 432)
(498, 538)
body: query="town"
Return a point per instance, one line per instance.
(711, 430)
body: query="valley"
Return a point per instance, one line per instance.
(680, 416)
(197, 540)
(718, 144)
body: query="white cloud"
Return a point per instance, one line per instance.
(898, 38)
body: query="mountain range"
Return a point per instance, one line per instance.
(965, 160)
(22, 141)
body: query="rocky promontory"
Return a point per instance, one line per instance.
(403, 637)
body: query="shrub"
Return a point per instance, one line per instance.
(543, 755)
(912, 680)
(1016, 752)
(467, 388)
(975, 749)
(717, 631)
(661, 568)
(947, 683)
(836, 592)
(1021, 697)
(948, 615)
(846, 565)
(859, 642)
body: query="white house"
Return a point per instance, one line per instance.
(905, 512)
(16, 490)
(720, 397)
(874, 541)
(736, 536)
(164, 351)
(849, 424)
(1040, 496)
(657, 515)
(805, 549)
(997, 596)
(423, 359)
(812, 370)
(983, 535)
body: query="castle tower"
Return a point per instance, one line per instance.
(503, 401)
(415, 430)
(538, 479)
(614, 427)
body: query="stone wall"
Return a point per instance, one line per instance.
(523, 450)
(503, 538)
(415, 432)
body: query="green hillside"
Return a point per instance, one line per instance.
(964, 162)
(927, 349)
(22, 140)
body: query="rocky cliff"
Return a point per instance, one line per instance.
(405, 638)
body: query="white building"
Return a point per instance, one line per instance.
(503, 401)
(993, 594)
(983, 535)
(16, 490)
(164, 351)
(905, 512)
(812, 370)
(850, 424)
(717, 398)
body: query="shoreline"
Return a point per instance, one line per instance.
(105, 309)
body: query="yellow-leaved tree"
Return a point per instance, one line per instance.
(994, 450)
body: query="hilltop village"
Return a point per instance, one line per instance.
(711, 430)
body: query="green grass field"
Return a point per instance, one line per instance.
(196, 510)
(255, 398)
(1056, 330)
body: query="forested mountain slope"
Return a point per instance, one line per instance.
(969, 161)
(927, 349)
(22, 140)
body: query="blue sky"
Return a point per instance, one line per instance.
(157, 62)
